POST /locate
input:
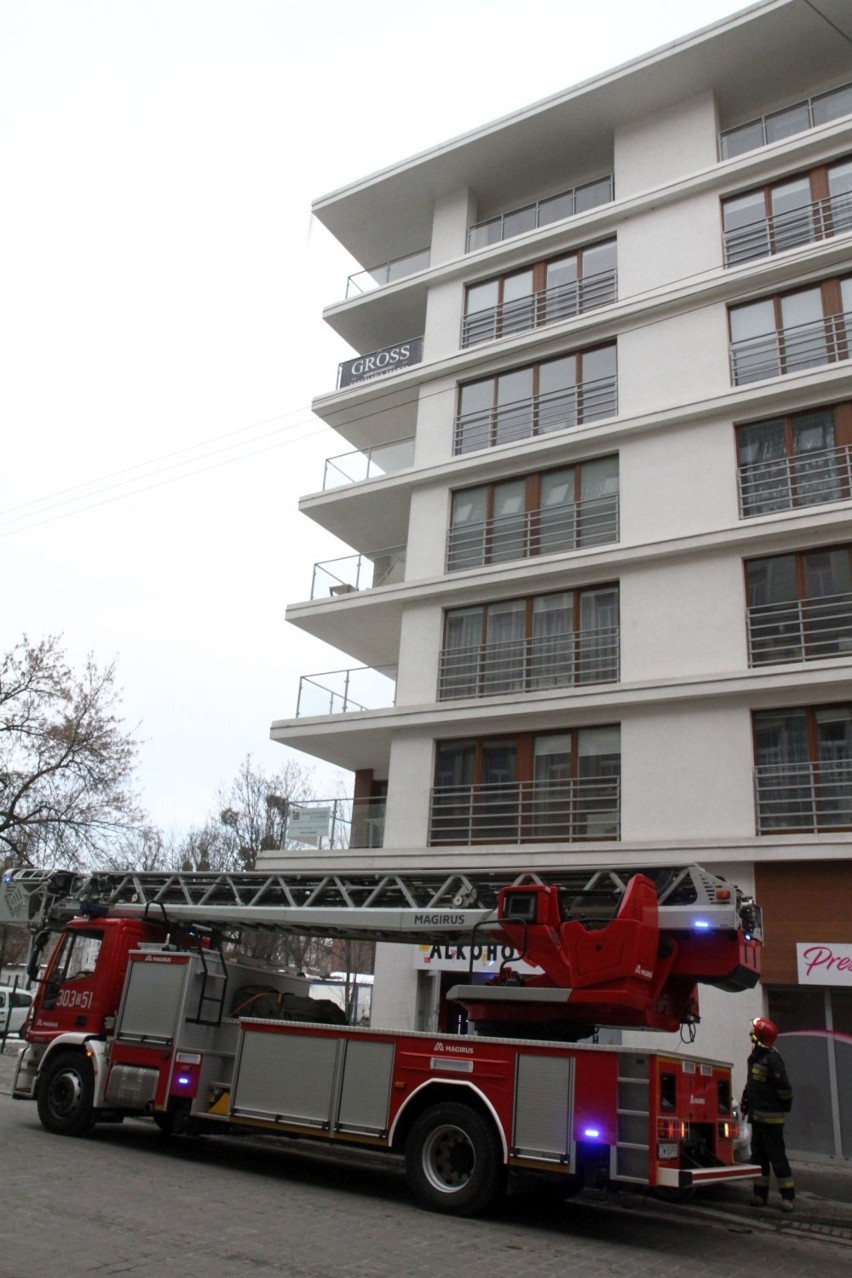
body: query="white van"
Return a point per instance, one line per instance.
(14, 1005)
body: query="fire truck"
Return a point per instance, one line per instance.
(145, 1008)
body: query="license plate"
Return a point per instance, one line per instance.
(666, 1152)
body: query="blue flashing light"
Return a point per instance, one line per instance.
(702, 925)
(592, 1133)
(184, 1080)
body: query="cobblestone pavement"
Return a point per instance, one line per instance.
(127, 1201)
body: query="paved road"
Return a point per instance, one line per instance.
(127, 1201)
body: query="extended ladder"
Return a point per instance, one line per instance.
(356, 904)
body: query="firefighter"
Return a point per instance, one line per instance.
(767, 1100)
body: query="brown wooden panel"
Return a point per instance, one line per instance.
(801, 901)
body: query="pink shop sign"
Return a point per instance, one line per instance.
(821, 963)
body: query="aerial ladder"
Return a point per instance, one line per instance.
(142, 1010)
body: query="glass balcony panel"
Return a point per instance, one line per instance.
(346, 691)
(335, 823)
(553, 208)
(556, 208)
(387, 272)
(787, 123)
(383, 459)
(833, 105)
(748, 137)
(593, 194)
(358, 572)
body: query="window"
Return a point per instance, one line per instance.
(559, 394)
(527, 788)
(785, 123)
(545, 293)
(803, 769)
(542, 213)
(800, 460)
(526, 645)
(791, 332)
(800, 606)
(539, 514)
(794, 211)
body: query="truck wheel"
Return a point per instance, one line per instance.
(454, 1160)
(65, 1094)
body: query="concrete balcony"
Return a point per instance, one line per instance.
(346, 691)
(336, 577)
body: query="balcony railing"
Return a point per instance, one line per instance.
(548, 306)
(388, 273)
(335, 823)
(372, 463)
(810, 797)
(802, 630)
(820, 220)
(526, 812)
(593, 522)
(538, 415)
(786, 482)
(358, 572)
(346, 691)
(790, 120)
(791, 350)
(529, 665)
(541, 213)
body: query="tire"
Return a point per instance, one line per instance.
(454, 1160)
(65, 1095)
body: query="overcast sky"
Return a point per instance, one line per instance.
(161, 338)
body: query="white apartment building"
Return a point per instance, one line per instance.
(596, 477)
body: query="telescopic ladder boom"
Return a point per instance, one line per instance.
(374, 905)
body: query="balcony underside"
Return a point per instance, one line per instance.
(365, 515)
(390, 314)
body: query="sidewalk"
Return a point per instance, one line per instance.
(823, 1190)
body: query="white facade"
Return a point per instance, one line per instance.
(661, 717)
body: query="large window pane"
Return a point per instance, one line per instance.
(804, 342)
(508, 534)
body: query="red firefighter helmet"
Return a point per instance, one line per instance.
(764, 1031)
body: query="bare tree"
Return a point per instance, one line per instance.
(66, 759)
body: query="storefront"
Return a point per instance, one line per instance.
(807, 974)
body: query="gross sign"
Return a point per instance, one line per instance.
(390, 359)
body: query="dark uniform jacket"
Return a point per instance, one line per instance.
(768, 1096)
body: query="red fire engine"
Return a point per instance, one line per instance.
(141, 1011)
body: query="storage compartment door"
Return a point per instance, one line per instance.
(544, 1106)
(286, 1077)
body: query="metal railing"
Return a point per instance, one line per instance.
(593, 522)
(548, 306)
(335, 823)
(352, 573)
(526, 811)
(807, 479)
(530, 217)
(798, 117)
(399, 268)
(529, 665)
(346, 691)
(810, 797)
(820, 220)
(371, 463)
(801, 630)
(791, 350)
(537, 415)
